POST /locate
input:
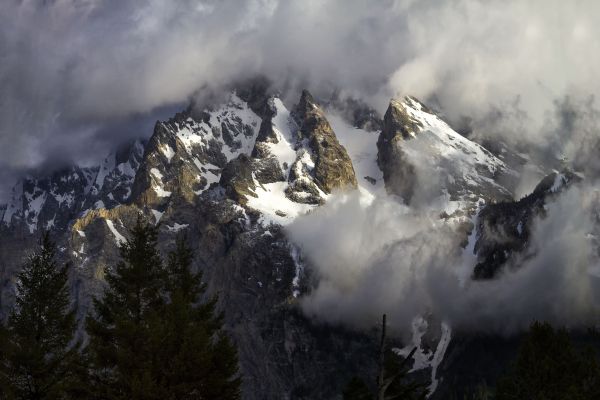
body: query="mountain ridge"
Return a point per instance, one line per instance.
(230, 177)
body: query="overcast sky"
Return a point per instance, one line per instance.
(78, 77)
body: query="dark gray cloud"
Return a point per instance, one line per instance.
(71, 69)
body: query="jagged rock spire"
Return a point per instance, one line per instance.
(333, 166)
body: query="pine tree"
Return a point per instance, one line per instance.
(38, 355)
(151, 338)
(199, 360)
(549, 367)
(357, 389)
(121, 364)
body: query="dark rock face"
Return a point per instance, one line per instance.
(237, 179)
(358, 113)
(503, 229)
(282, 354)
(333, 167)
(473, 362)
(398, 173)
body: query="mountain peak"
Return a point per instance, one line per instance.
(333, 166)
(399, 118)
(414, 142)
(306, 105)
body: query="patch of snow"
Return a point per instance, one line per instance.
(438, 356)
(99, 204)
(275, 207)
(421, 358)
(81, 233)
(160, 192)
(120, 239)
(156, 173)
(35, 201)
(210, 172)
(66, 198)
(361, 146)
(283, 127)
(157, 216)
(107, 166)
(177, 227)
(167, 151)
(158, 189)
(245, 217)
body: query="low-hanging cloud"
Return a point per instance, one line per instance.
(388, 258)
(72, 70)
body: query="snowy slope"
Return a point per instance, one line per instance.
(452, 173)
(51, 202)
(296, 163)
(362, 148)
(198, 144)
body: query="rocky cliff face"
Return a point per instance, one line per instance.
(502, 230)
(333, 167)
(399, 174)
(231, 176)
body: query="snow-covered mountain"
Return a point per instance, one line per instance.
(231, 176)
(53, 201)
(454, 173)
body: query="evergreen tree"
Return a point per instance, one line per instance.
(357, 389)
(38, 358)
(198, 359)
(150, 338)
(121, 365)
(549, 367)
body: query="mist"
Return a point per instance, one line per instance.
(385, 257)
(75, 74)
